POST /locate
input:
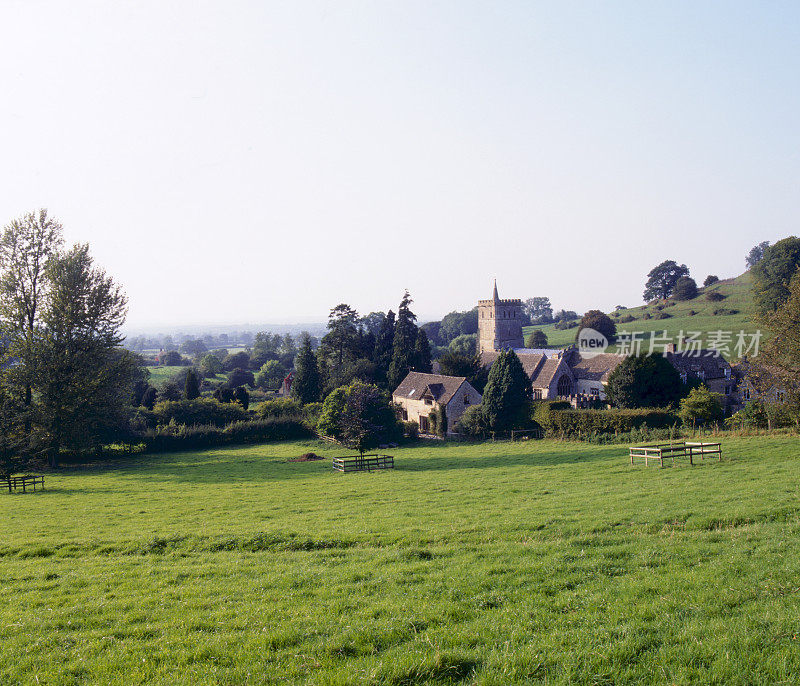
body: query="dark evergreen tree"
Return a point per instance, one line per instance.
(507, 396)
(405, 338)
(191, 388)
(422, 353)
(241, 396)
(382, 356)
(644, 381)
(307, 385)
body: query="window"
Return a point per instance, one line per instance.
(746, 393)
(537, 393)
(564, 387)
(595, 391)
(428, 401)
(466, 399)
(423, 424)
(405, 414)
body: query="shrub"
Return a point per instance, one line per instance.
(627, 318)
(714, 296)
(537, 339)
(201, 411)
(286, 407)
(701, 406)
(411, 430)
(569, 422)
(472, 422)
(685, 288)
(725, 310)
(647, 315)
(240, 377)
(663, 315)
(710, 279)
(565, 324)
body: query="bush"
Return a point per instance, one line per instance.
(663, 315)
(240, 377)
(411, 430)
(725, 310)
(286, 407)
(568, 422)
(685, 288)
(565, 324)
(201, 411)
(627, 318)
(174, 437)
(700, 407)
(714, 296)
(472, 422)
(710, 280)
(537, 339)
(647, 315)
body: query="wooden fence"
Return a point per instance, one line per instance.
(16, 483)
(669, 451)
(363, 463)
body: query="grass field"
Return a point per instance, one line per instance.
(498, 563)
(737, 294)
(159, 374)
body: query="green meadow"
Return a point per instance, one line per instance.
(491, 563)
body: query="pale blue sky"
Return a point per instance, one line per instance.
(255, 161)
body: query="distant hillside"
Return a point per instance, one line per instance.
(735, 313)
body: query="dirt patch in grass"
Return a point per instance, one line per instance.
(307, 457)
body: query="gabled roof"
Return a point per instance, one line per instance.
(595, 367)
(441, 388)
(709, 362)
(539, 367)
(530, 363)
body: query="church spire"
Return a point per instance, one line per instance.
(494, 295)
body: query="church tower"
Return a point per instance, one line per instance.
(499, 324)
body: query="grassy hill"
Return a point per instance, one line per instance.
(496, 563)
(691, 315)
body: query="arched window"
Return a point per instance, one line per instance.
(564, 387)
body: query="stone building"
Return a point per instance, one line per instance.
(419, 394)
(499, 324)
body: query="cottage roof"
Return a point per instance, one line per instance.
(539, 367)
(530, 363)
(709, 362)
(442, 388)
(594, 367)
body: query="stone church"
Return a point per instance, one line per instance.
(553, 373)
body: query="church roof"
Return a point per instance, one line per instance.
(442, 388)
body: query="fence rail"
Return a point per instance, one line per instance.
(16, 483)
(669, 451)
(363, 463)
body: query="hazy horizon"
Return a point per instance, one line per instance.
(263, 162)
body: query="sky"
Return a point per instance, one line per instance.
(234, 162)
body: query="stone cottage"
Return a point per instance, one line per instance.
(419, 394)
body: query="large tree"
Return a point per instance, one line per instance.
(599, 321)
(405, 338)
(84, 378)
(340, 346)
(662, 278)
(469, 366)
(539, 310)
(307, 385)
(382, 353)
(644, 381)
(773, 274)
(422, 353)
(507, 396)
(27, 247)
(685, 288)
(756, 254)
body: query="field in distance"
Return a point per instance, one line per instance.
(736, 297)
(486, 563)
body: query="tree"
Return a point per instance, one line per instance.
(265, 348)
(240, 377)
(599, 321)
(465, 344)
(405, 338)
(373, 322)
(700, 406)
(191, 386)
(506, 398)
(27, 247)
(644, 381)
(685, 288)
(537, 339)
(360, 415)
(756, 254)
(539, 310)
(211, 365)
(565, 316)
(422, 353)
(149, 398)
(307, 385)
(193, 347)
(340, 346)
(773, 273)
(241, 396)
(270, 375)
(382, 353)
(711, 279)
(170, 358)
(84, 377)
(469, 366)
(240, 360)
(662, 278)
(458, 324)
